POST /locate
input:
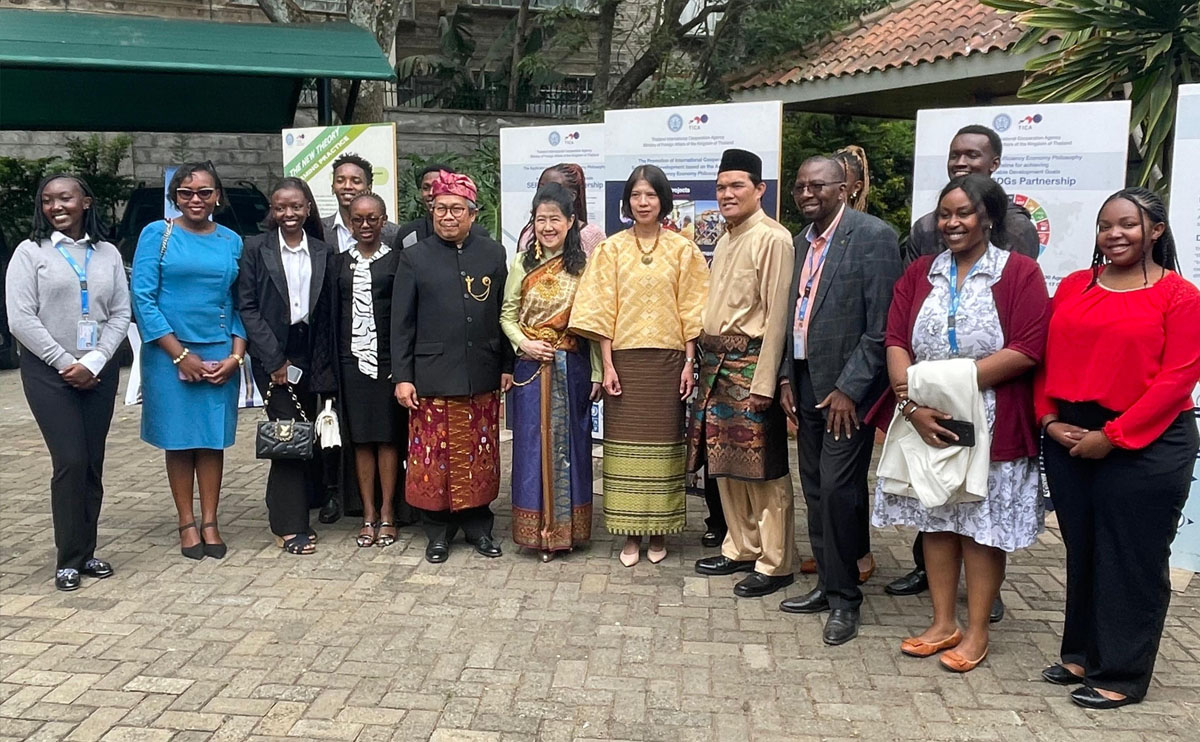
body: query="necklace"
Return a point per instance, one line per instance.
(647, 255)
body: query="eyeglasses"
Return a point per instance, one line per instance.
(359, 221)
(187, 194)
(456, 211)
(815, 186)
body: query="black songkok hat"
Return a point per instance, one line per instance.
(740, 159)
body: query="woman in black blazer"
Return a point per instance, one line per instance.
(285, 288)
(374, 425)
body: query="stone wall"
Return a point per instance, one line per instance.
(258, 157)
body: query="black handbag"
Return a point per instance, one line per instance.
(284, 440)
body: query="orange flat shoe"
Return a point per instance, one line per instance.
(955, 662)
(865, 574)
(914, 647)
(808, 566)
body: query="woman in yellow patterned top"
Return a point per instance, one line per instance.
(641, 298)
(556, 378)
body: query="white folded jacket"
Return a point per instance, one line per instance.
(910, 467)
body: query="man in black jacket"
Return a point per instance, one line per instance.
(974, 149)
(450, 362)
(422, 228)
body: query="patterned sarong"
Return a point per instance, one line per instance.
(643, 445)
(724, 434)
(454, 452)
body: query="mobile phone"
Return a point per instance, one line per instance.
(962, 428)
(294, 373)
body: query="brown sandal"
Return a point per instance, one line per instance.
(366, 535)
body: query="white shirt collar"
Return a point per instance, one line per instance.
(58, 238)
(337, 220)
(301, 248)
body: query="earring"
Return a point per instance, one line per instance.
(537, 250)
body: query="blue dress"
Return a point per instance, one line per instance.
(188, 292)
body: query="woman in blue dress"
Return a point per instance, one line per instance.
(184, 272)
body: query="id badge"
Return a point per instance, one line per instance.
(798, 345)
(87, 335)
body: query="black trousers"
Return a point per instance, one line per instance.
(74, 425)
(445, 524)
(833, 475)
(1118, 516)
(292, 486)
(715, 521)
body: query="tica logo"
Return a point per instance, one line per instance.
(572, 137)
(1028, 122)
(697, 121)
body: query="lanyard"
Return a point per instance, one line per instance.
(812, 276)
(80, 273)
(951, 334)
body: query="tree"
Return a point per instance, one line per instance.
(667, 31)
(377, 16)
(1137, 49)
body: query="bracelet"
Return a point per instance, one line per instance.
(241, 360)
(690, 360)
(908, 416)
(1046, 427)
(182, 355)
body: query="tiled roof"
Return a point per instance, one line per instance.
(905, 33)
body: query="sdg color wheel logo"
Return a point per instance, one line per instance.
(1041, 220)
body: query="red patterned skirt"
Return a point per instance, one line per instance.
(454, 452)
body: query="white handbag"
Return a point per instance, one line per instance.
(329, 432)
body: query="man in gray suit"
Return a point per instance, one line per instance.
(832, 372)
(352, 177)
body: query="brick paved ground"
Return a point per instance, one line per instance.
(376, 644)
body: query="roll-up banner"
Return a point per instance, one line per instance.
(1059, 161)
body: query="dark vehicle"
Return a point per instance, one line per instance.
(8, 346)
(244, 213)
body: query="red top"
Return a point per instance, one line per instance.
(1023, 307)
(1135, 352)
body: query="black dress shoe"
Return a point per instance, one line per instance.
(331, 511)
(814, 602)
(712, 539)
(913, 583)
(437, 551)
(758, 585)
(486, 546)
(1090, 698)
(997, 614)
(97, 568)
(841, 627)
(1060, 675)
(722, 565)
(67, 580)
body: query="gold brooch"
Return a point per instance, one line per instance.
(487, 288)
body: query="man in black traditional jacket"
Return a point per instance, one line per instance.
(451, 361)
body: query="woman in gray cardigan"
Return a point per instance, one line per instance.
(68, 306)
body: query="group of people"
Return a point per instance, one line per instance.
(953, 347)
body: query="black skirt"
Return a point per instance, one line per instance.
(372, 414)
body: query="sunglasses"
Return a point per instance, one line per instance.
(187, 194)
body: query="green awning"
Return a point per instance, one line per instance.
(103, 72)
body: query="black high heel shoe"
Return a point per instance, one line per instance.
(192, 552)
(216, 551)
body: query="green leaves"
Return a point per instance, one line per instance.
(1101, 49)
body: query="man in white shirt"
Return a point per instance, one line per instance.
(352, 177)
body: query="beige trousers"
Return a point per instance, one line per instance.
(762, 523)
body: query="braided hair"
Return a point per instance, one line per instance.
(573, 175)
(42, 228)
(854, 162)
(574, 258)
(1151, 211)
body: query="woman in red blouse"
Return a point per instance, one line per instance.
(1114, 400)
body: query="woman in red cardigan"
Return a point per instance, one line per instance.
(978, 301)
(1115, 404)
